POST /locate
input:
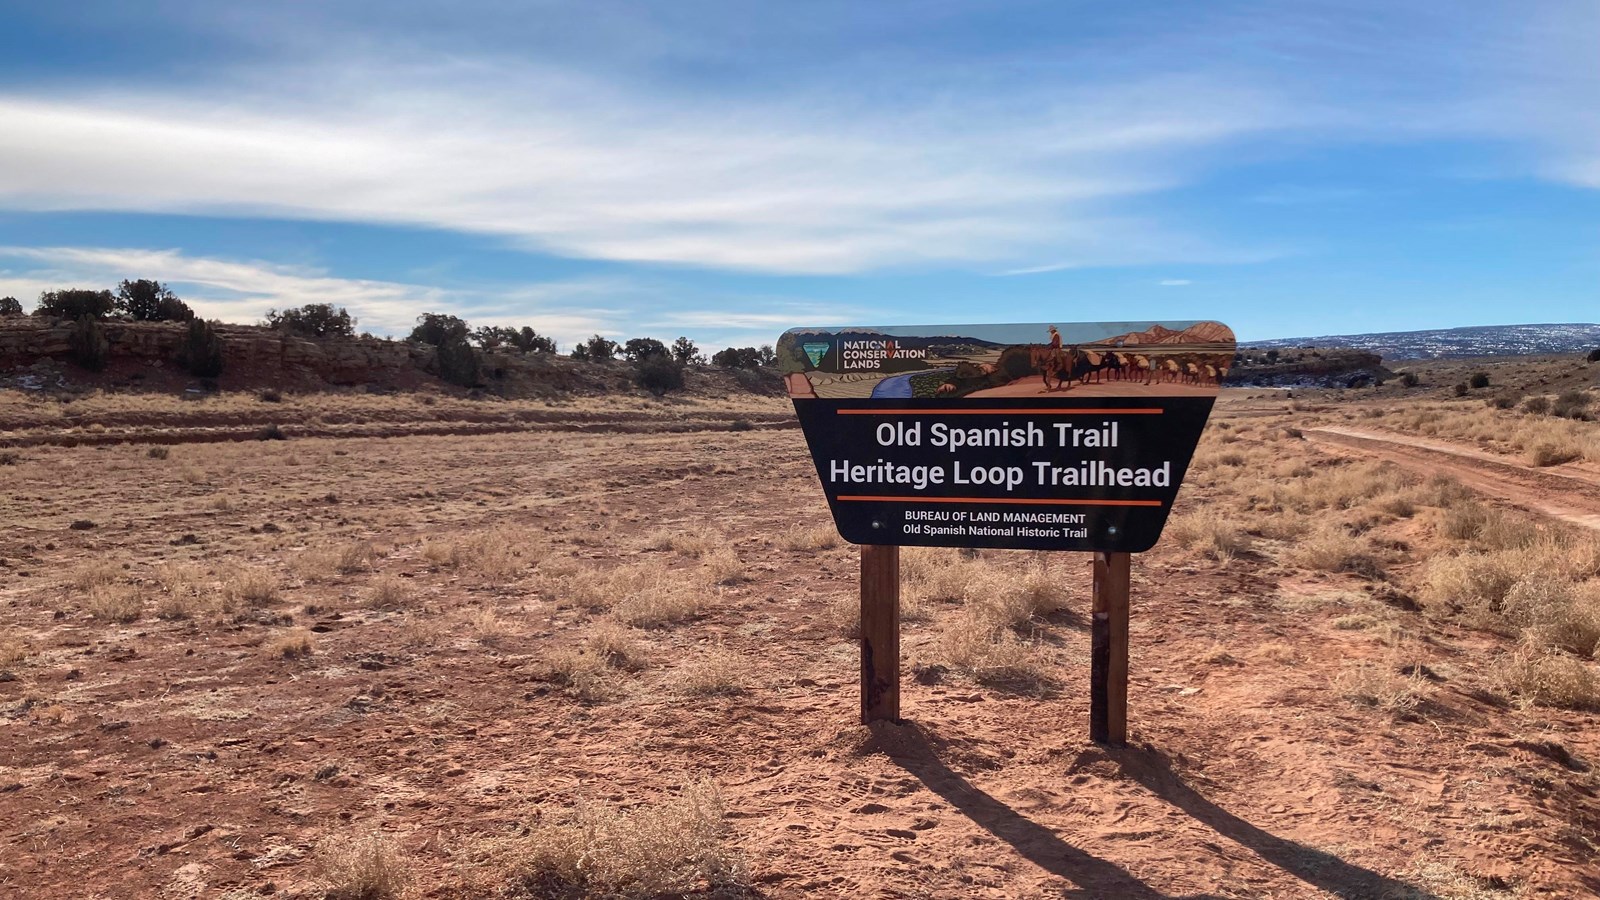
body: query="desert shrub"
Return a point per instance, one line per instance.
(1546, 678)
(1460, 389)
(1464, 521)
(88, 343)
(458, 362)
(10, 307)
(271, 433)
(596, 349)
(677, 847)
(201, 350)
(1537, 405)
(150, 301)
(313, 320)
(686, 353)
(75, 304)
(737, 358)
(9, 457)
(1478, 380)
(1572, 405)
(741, 425)
(659, 373)
(158, 452)
(1502, 401)
(1554, 453)
(1474, 583)
(1594, 355)
(362, 867)
(1409, 379)
(270, 396)
(1555, 613)
(637, 350)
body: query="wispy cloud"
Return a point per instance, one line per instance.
(821, 181)
(1175, 282)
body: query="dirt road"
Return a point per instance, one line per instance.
(1571, 496)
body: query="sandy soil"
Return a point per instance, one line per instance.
(181, 759)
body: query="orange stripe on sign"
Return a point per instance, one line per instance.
(1056, 411)
(1029, 501)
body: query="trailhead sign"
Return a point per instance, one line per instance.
(1063, 436)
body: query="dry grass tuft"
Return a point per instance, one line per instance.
(677, 847)
(1545, 678)
(115, 603)
(293, 644)
(1556, 613)
(692, 544)
(1381, 686)
(614, 643)
(362, 867)
(183, 591)
(809, 538)
(12, 651)
(487, 626)
(716, 672)
(389, 592)
(991, 654)
(95, 574)
(248, 587)
(1218, 655)
(1555, 452)
(657, 606)
(585, 674)
(354, 557)
(723, 566)
(1207, 533)
(1355, 622)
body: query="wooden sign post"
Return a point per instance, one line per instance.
(1108, 649)
(880, 633)
(1022, 437)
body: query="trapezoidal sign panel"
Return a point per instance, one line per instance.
(1065, 436)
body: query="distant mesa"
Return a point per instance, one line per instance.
(1198, 333)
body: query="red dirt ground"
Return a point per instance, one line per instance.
(176, 759)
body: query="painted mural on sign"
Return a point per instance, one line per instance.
(1167, 359)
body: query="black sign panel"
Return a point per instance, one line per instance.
(966, 436)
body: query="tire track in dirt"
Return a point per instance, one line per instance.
(1569, 496)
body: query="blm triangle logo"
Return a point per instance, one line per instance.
(815, 352)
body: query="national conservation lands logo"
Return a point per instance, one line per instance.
(815, 352)
(872, 353)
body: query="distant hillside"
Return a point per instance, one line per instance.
(1450, 343)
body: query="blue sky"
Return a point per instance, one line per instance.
(729, 170)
